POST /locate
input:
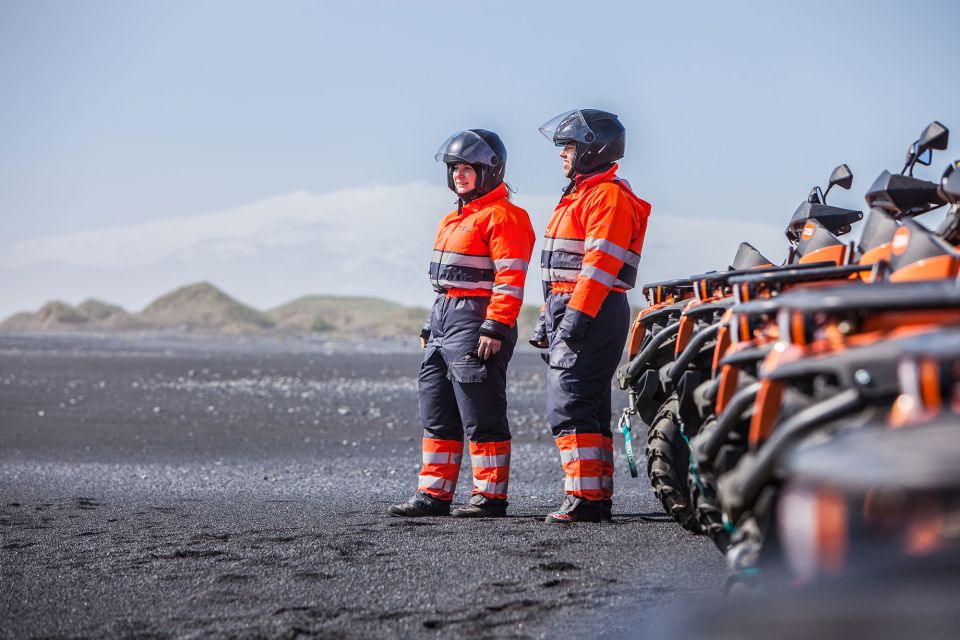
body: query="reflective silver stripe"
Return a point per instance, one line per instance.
(588, 483)
(510, 263)
(606, 246)
(586, 453)
(441, 457)
(623, 255)
(456, 284)
(436, 482)
(554, 274)
(502, 460)
(567, 245)
(462, 260)
(598, 274)
(490, 487)
(509, 290)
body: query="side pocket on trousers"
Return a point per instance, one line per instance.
(468, 369)
(427, 354)
(561, 355)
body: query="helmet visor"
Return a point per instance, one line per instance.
(467, 146)
(570, 126)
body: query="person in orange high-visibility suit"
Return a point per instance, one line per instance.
(479, 265)
(589, 260)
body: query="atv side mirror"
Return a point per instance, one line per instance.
(935, 136)
(841, 177)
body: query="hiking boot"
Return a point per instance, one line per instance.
(576, 509)
(481, 506)
(420, 505)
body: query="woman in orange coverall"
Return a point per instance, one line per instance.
(479, 264)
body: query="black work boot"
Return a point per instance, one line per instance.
(575, 509)
(420, 505)
(481, 506)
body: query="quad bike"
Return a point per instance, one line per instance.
(832, 367)
(671, 374)
(723, 338)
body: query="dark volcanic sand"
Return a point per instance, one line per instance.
(174, 486)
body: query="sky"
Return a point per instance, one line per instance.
(286, 148)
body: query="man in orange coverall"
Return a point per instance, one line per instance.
(589, 260)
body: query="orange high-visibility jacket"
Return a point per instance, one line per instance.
(484, 250)
(592, 245)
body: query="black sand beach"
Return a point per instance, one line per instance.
(166, 486)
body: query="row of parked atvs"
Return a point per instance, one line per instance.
(806, 416)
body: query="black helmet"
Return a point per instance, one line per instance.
(481, 149)
(599, 136)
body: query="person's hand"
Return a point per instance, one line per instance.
(423, 342)
(540, 343)
(488, 347)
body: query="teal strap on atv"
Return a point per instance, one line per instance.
(628, 441)
(627, 431)
(692, 467)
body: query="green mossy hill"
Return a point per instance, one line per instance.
(60, 316)
(203, 307)
(348, 315)
(99, 310)
(53, 316)
(109, 316)
(21, 321)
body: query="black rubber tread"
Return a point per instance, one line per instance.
(667, 466)
(703, 499)
(706, 504)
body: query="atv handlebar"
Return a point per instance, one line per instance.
(693, 348)
(627, 374)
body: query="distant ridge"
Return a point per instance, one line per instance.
(348, 315)
(53, 316)
(202, 307)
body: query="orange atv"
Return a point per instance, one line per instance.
(670, 371)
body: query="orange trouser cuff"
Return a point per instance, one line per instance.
(491, 468)
(441, 467)
(587, 460)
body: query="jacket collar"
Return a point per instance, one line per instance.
(498, 193)
(583, 181)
